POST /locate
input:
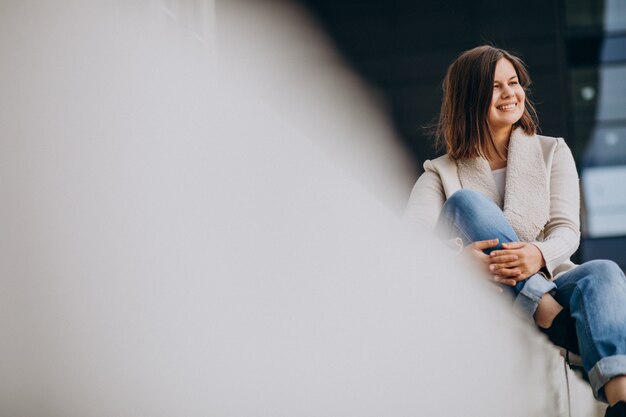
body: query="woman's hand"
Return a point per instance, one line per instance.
(474, 254)
(474, 251)
(515, 262)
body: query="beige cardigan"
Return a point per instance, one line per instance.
(541, 198)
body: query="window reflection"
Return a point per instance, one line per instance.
(598, 75)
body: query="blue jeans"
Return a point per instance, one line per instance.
(471, 216)
(595, 291)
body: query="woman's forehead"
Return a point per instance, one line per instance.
(505, 69)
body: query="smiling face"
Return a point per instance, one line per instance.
(507, 102)
(484, 96)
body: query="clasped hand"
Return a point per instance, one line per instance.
(515, 262)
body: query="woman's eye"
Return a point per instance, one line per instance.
(513, 83)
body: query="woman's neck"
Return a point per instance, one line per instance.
(501, 140)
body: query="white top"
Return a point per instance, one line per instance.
(499, 176)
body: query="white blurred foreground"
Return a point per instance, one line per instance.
(186, 235)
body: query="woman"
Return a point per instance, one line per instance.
(510, 197)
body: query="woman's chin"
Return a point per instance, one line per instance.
(504, 122)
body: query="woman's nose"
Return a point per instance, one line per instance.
(507, 91)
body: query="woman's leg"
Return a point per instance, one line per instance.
(471, 216)
(615, 390)
(595, 293)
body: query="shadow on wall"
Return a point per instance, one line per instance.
(185, 236)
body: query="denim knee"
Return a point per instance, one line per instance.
(604, 272)
(465, 198)
(470, 202)
(472, 216)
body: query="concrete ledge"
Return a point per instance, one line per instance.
(567, 395)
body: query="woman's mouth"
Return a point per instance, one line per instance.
(507, 107)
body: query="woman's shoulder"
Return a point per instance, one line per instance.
(439, 165)
(555, 149)
(550, 142)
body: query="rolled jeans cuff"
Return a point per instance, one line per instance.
(603, 371)
(528, 298)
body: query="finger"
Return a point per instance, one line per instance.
(506, 281)
(513, 245)
(485, 244)
(506, 265)
(508, 272)
(503, 252)
(503, 259)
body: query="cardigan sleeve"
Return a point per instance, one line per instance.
(425, 203)
(562, 232)
(426, 200)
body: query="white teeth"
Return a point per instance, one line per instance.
(507, 106)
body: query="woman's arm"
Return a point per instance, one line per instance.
(562, 232)
(426, 201)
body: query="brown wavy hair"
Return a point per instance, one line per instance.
(463, 127)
